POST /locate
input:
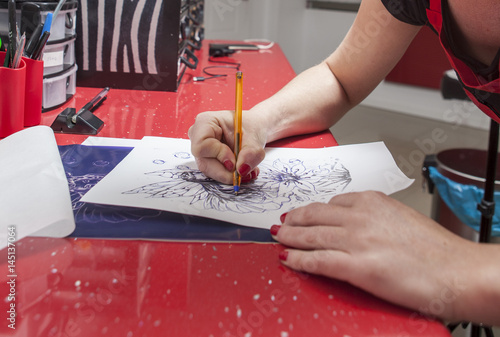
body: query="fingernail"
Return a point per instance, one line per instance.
(229, 165)
(274, 229)
(283, 217)
(254, 175)
(249, 177)
(244, 170)
(283, 255)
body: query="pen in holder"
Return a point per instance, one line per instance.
(12, 97)
(84, 121)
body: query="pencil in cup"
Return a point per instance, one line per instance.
(33, 92)
(12, 94)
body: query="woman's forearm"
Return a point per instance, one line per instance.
(311, 102)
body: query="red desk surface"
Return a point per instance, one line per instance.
(81, 287)
(92, 287)
(138, 113)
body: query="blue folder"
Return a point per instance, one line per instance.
(85, 166)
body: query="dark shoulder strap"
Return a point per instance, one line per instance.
(409, 11)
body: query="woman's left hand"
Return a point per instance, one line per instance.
(382, 246)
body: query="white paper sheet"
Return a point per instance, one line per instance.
(34, 193)
(161, 173)
(109, 141)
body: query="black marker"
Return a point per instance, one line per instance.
(12, 29)
(92, 104)
(33, 40)
(37, 53)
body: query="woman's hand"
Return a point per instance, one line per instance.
(212, 144)
(386, 248)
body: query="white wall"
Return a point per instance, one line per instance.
(307, 36)
(240, 19)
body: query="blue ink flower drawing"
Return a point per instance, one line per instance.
(277, 185)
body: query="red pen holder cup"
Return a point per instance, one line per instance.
(34, 92)
(12, 96)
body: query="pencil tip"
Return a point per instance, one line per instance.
(236, 189)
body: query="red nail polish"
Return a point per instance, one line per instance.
(248, 178)
(228, 165)
(274, 229)
(254, 175)
(283, 217)
(244, 170)
(283, 255)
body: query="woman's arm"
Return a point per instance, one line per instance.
(320, 96)
(313, 101)
(390, 250)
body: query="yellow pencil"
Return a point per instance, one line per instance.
(238, 128)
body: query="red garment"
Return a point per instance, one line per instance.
(485, 94)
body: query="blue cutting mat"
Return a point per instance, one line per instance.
(85, 166)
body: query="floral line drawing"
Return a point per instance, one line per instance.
(278, 184)
(94, 213)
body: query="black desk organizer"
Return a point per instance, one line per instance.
(59, 75)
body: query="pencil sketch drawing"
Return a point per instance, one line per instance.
(278, 184)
